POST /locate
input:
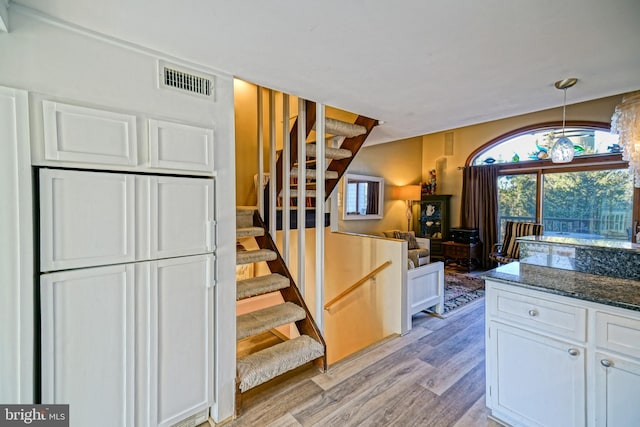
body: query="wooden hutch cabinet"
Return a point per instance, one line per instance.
(434, 221)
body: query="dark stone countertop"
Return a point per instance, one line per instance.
(623, 293)
(601, 244)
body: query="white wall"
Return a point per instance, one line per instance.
(58, 62)
(4, 15)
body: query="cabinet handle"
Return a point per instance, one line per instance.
(533, 313)
(606, 363)
(573, 352)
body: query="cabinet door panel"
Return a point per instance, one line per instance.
(618, 333)
(88, 344)
(531, 372)
(181, 342)
(181, 216)
(179, 146)
(86, 219)
(617, 391)
(80, 134)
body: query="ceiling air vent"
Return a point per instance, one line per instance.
(178, 78)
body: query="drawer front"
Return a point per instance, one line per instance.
(537, 313)
(618, 333)
(456, 251)
(460, 252)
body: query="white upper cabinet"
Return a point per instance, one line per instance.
(180, 146)
(86, 219)
(94, 138)
(181, 216)
(88, 135)
(96, 218)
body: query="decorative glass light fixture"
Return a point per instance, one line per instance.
(626, 123)
(562, 151)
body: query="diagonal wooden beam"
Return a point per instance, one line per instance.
(352, 144)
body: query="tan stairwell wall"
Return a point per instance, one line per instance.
(369, 314)
(399, 163)
(246, 145)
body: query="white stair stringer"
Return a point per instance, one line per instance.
(260, 367)
(265, 319)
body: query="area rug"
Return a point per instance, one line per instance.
(460, 289)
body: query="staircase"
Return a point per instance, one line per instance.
(344, 142)
(266, 364)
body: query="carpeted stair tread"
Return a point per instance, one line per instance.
(294, 193)
(257, 255)
(260, 285)
(249, 232)
(260, 367)
(262, 320)
(338, 127)
(245, 210)
(244, 216)
(311, 173)
(329, 153)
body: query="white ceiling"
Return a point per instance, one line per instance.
(419, 65)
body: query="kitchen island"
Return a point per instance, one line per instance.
(563, 346)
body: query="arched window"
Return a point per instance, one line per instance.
(535, 144)
(591, 197)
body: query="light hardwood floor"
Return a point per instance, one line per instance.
(433, 376)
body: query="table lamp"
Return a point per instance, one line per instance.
(409, 193)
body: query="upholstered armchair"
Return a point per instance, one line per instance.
(509, 250)
(418, 249)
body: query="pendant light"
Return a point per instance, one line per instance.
(562, 151)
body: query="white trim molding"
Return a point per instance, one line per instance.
(16, 250)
